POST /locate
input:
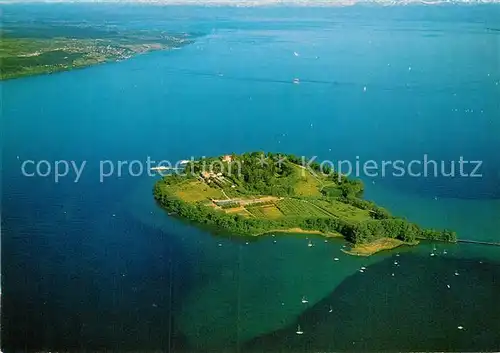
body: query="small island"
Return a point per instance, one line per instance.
(258, 193)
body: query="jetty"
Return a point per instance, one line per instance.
(164, 168)
(469, 241)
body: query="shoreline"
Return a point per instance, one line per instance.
(364, 250)
(76, 67)
(298, 230)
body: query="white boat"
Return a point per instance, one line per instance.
(331, 309)
(304, 300)
(295, 53)
(296, 81)
(309, 244)
(299, 330)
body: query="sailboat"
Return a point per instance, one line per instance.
(304, 300)
(299, 330)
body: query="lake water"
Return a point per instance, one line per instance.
(96, 266)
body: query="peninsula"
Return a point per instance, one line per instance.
(258, 193)
(48, 47)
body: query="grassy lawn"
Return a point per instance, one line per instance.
(195, 191)
(306, 184)
(239, 211)
(343, 210)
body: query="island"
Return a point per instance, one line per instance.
(40, 48)
(258, 193)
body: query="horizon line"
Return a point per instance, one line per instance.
(262, 3)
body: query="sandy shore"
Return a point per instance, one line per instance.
(376, 246)
(304, 231)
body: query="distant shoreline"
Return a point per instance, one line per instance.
(261, 4)
(62, 50)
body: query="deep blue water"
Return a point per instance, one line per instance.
(93, 265)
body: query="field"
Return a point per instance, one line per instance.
(194, 191)
(239, 211)
(300, 208)
(343, 210)
(290, 207)
(266, 211)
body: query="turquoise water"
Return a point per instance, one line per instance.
(93, 265)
